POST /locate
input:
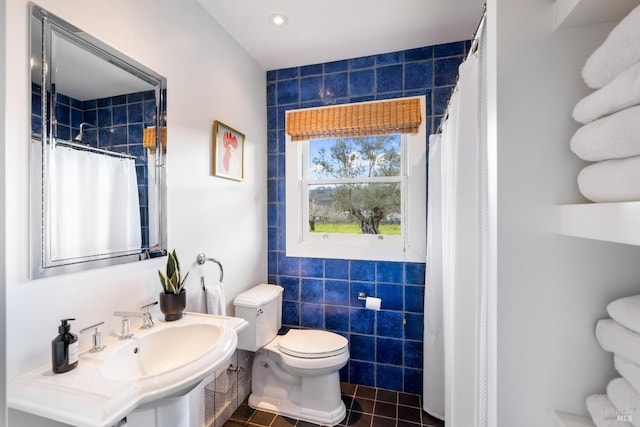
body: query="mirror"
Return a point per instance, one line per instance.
(98, 146)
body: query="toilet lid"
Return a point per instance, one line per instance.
(312, 344)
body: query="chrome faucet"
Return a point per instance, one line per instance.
(97, 337)
(147, 319)
(125, 332)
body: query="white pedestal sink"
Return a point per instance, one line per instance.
(156, 365)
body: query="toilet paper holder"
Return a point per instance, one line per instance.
(370, 303)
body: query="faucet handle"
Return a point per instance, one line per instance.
(97, 337)
(147, 319)
(148, 306)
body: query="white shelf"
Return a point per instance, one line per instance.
(564, 419)
(572, 13)
(611, 222)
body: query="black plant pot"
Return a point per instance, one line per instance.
(172, 305)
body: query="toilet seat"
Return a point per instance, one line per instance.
(312, 344)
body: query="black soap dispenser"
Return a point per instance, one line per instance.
(64, 349)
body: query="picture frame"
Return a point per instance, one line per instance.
(228, 152)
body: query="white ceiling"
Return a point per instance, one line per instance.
(82, 75)
(330, 30)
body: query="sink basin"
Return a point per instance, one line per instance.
(167, 360)
(157, 353)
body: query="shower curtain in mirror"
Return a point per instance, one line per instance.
(94, 204)
(455, 332)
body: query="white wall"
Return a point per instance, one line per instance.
(3, 38)
(551, 289)
(209, 77)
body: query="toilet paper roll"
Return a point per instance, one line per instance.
(373, 303)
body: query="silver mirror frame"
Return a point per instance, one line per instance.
(44, 24)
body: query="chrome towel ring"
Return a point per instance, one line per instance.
(202, 258)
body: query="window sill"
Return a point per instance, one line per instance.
(375, 250)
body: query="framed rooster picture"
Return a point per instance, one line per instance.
(228, 152)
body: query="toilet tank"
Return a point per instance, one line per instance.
(261, 306)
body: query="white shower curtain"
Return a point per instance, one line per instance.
(433, 372)
(94, 204)
(455, 377)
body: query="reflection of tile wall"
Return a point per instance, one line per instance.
(386, 346)
(119, 122)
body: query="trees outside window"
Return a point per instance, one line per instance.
(354, 185)
(360, 196)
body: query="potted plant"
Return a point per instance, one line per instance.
(173, 298)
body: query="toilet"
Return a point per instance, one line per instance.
(296, 374)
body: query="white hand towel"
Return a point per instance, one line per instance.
(626, 399)
(215, 299)
(615, 338)
(603, 412)
(626, 311)
(619, 51)
(623, 92)
(611, 180)
(629, 370)
(613, 137)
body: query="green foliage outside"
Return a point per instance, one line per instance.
(368, 205)
(388, 229)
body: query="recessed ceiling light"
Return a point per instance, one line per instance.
(278, 20)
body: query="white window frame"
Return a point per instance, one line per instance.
(410, 246)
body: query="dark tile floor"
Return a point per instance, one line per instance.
(366, 407)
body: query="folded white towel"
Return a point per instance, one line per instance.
(603, 412)
(611, 180)
(623, 92)
(214, 298)
(626, 311)
(626, 400)
(619, 51)
(613, 137)
(615, 338)
(629, 370)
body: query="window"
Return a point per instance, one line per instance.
(353, 185)
(357, 197)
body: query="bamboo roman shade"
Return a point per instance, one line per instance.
(149, 139)
(355, 120)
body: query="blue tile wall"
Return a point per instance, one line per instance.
(119, 122)
(386, 345)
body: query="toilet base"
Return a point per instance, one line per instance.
(290, 409)
(315, 399)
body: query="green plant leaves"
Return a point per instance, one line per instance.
(172, 281)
